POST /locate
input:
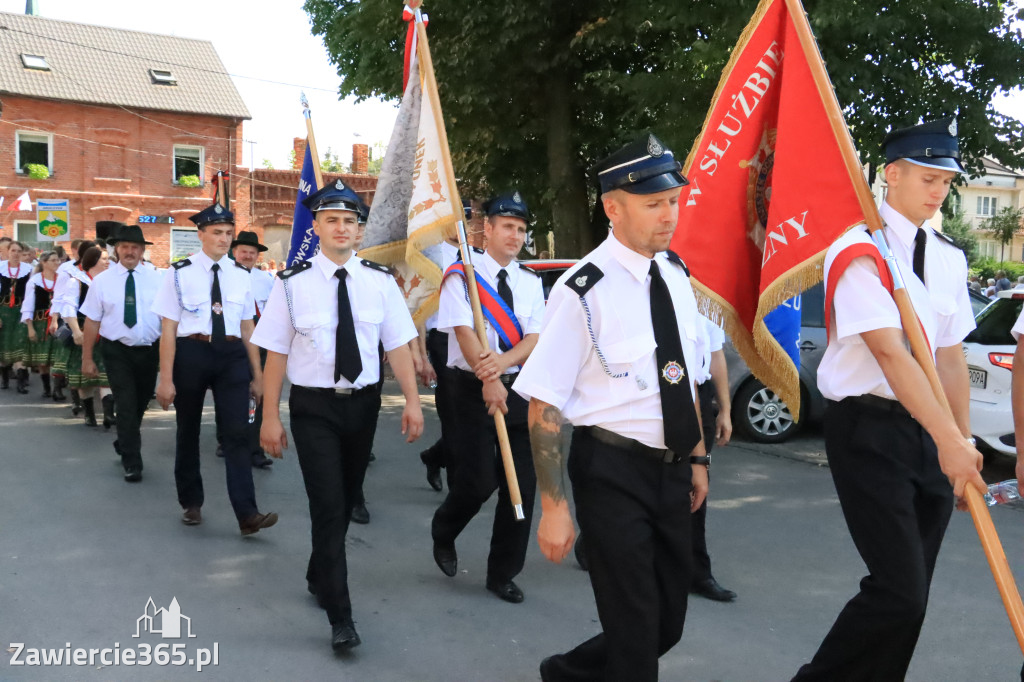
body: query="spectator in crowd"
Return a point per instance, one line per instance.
(991, 289)
(1002, 281)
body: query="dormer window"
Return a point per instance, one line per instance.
(162, 77)
(34, 61)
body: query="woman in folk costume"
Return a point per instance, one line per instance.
(14, 276)
(35, 315)
(94, 261)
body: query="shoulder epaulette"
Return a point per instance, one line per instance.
(584, 279)
(376, 266)
(674, 258)
(183, 263)
(946, 238)
(529, 270)
(477, 250)
(301, 266)
(239, 265)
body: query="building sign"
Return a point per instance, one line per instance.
(156, 219)
(52, 218)
(184, 242)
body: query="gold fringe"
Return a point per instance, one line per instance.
(428, 308)
(386, 254)
(755, 21)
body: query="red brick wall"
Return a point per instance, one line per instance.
(132, 176)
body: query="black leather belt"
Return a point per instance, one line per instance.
(630, 445)
(338, 391)
(506, 379)
(878, 404)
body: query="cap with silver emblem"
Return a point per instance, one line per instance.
(510, 205)
(933, 145)
(213, 214)
(336, 196)
(644, 166)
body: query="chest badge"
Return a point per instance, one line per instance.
(672, 372)
(218, 309)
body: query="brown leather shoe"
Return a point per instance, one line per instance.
(192, 517)
(254, 523)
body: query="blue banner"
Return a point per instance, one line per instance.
(784, 325)
(305, 243)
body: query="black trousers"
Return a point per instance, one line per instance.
(224, 368)
(472, 443)
(333, 436)
(708, 414)
(253, 429)
(897, 503)
(635, 514)
(131, 371)
(437, 351)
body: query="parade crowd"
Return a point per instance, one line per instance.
(618, 350)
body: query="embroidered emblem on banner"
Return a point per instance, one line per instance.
(672, 372)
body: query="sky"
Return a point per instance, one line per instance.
(274, 43)
(269, 40)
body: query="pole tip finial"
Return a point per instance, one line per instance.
(303, 100)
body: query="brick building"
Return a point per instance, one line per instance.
(274, 192)
(120, 120)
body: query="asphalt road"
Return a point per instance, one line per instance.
(81, 552)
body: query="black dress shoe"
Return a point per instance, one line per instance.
(133, 474)
(261, 461)
(344, 637)
(507, 591)
(446, 559)
(433, 472)
(360, 514)
(546, 672)
(710, 589)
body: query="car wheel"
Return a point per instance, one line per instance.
(762, 416)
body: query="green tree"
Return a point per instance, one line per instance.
(535, 92)
(958, 229)
(331, 163)
(1004, 225)
(267, 163)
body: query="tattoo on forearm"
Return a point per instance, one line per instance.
(546, 442)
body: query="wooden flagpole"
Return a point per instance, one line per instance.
(430, 83)
(911, 325)
(311, 141)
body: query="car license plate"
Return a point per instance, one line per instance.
(979, 377)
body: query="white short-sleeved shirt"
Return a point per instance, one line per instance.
(262, 283)
(455, 310)
(861, 303)
(1018, 326)
(105, 304)
(29, 304)
(449, 254)
(566, 371)
(69, 296)
(715, 340)
(306, 332)
(192, 311)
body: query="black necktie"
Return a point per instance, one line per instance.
(216, 307)
(346, 349)
(682, 432)
(129, 300)
(919, 243)
(505, 291)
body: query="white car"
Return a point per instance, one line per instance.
(989, 351)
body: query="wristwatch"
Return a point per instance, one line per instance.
(705, 460)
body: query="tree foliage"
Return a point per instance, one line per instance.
(331, 163)
(957, 228)
(1004, 225)
(535, 92)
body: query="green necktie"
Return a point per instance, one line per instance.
(129, 300)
